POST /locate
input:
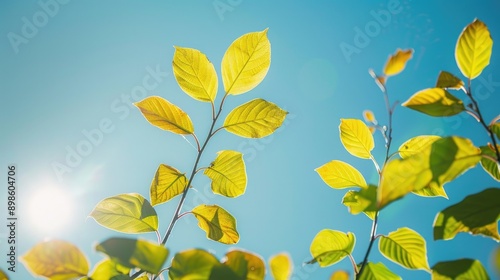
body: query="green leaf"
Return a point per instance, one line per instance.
(338, 175)
(107, 269)
(356, 137)
(281, 266)
(438, 163)
(377, 271)
(459, 269)
(405, 247)
(473, 50)
(255, 119)
(132, 253)
(167, 183)
(246, 62)
(340, 275)
(165, 115)
(330, 246)
(495, 128)
(477, 214)
(192, 264)
(397, 62)
(416, 145)
(490, 166)
(57, 260)
(448, 80)
(364, 201)
(228, 174)
(217, 223)
(247, 266)
(195, 74)
(128, 213)
(436, 102)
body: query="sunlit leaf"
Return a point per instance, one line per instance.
(107, 269)
(436, 102)
(228, 174)
(192, 264)
(416, 144)
(356, 137)
(340, 275)
(57, 260)
(195, 74)
(436, 164)
(330, 246)
(281, 266)
(255, 119)
(459, 269)
(495, 128)
(246, 62)
(129, 213)
(369, 117)
(165, 115)
(338, 175)
(490, 166)
(397, 62)
(3, 275)
(217, 223)
(432, 190)
(473, 50)
(377, 271)
(405, 247)
(448, 80)
(247, 266)
(167, 183)
(132, 253)
(477, 214)
(364, 200)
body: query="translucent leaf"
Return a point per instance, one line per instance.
(165, 115)
(436, 102)
(459, 269)
(377, 271)
(495, 128)
(369, 117)
(340, 275)
(405, 247)
(338, 175)
(57, 260)
(217, 223)
(477, 214)
(364, 200)
(135, 253)
(195, 74)
(228, 174)
(330, 246)
(356, 137)
(490, 166)
(192, 264)
(416, 144)
(473, 50)
(247, 266)
(107, 269)
(167, 183)
(255, 119)
(448, 80)
(397, 62)
(281, 266)
(439, 163)
(432, 190)
(246, 62)
(129, 213)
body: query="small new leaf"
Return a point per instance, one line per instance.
(217, 223)
(405, 247)
(167, 183)
(330, 246)
(338, 175)
(228, 174)
(356, 138)
(447, 80)
(281, 266)
(369, 117)
(165, 115)
(459, 269)
(397, 62)
(495, 128)
(436, 102)
(377, 271)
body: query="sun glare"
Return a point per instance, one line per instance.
(50, 209)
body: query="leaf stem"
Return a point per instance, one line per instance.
(353, 262)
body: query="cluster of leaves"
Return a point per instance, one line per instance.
(425, 164)
(244, 66)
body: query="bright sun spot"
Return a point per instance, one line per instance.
(50, 209)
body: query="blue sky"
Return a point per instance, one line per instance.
(72, 68)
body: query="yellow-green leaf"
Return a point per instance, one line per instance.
(448, 80)
(416, 144)
(405, 247)
(195, 74)
(247, 266)
(432, 190)
(490, 166)
(281, 266)
(56, 260)
(369, 117)
(217, 223)
(476, 214)
(459, 269)
(330, 246)
(338, 175)
(496, 260)
(473, 50)
(192, 264)
(246, 62)
(3, 275)
(340, 275)
(165, 115)
(135, 253)
(255, 119)
(436, 102)
(228, 174)
(364, 200)
(107, 269)
(356, 137)
(495, 128)
(167, 183)
(397, 62)
(377, 271)
(129, 213)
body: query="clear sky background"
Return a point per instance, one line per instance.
(83, 64)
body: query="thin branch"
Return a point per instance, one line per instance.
(197, 142)
(354, 266)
